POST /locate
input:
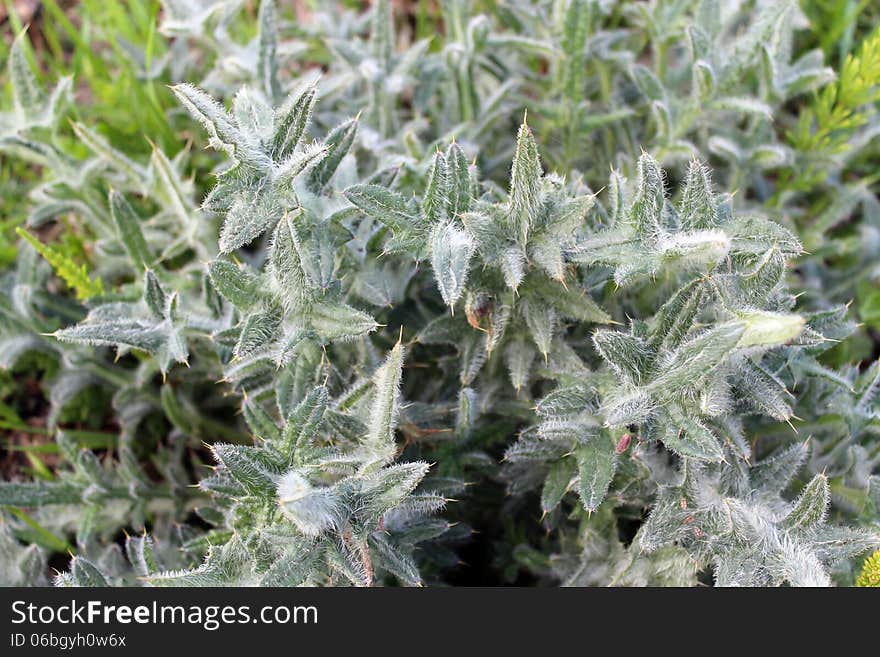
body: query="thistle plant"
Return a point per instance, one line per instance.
(546, 280)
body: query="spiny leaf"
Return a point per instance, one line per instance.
(384, 205)
(141, 554)
(698, 211)
(338, 144)
(382, 33)
(434, 198)
(557, 482)
(525, 182)
(451, 252)
(39, 493)
(27, 93)
(624, 352)
(154, 295)
(297, 162)
(776, 472)
(383, 414)
(338, 321)
(128, 225)
(172, 187)
(302, 425)
(810, 508)
(83, 573)
(698, 356)
(135, 334)
(253, 116)
(221, 127)
(597, 463)
(386, 488)
(253, 212)
(645, 211)
(519, 356)
(568, 302)
(258, 331)
(564, 402)
(175, 411)
(617, 195)
(458, 181)
(285, 263)
(763, 390)
(267, 58)
(260, 422)
(237, 284)
(248, 466)
(395, 561)
(541, 322)
(687, 436)
(574, 39)
(676, 317)
(292, 120)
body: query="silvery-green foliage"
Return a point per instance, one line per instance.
(32, 106)
(23, 565)
(722, 349)
(318, 499)
(700, 233)
(449, 251)
(758, 539)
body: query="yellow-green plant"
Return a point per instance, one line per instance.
(76, 276)
(870, 575)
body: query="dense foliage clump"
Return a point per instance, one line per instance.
(537, 292)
